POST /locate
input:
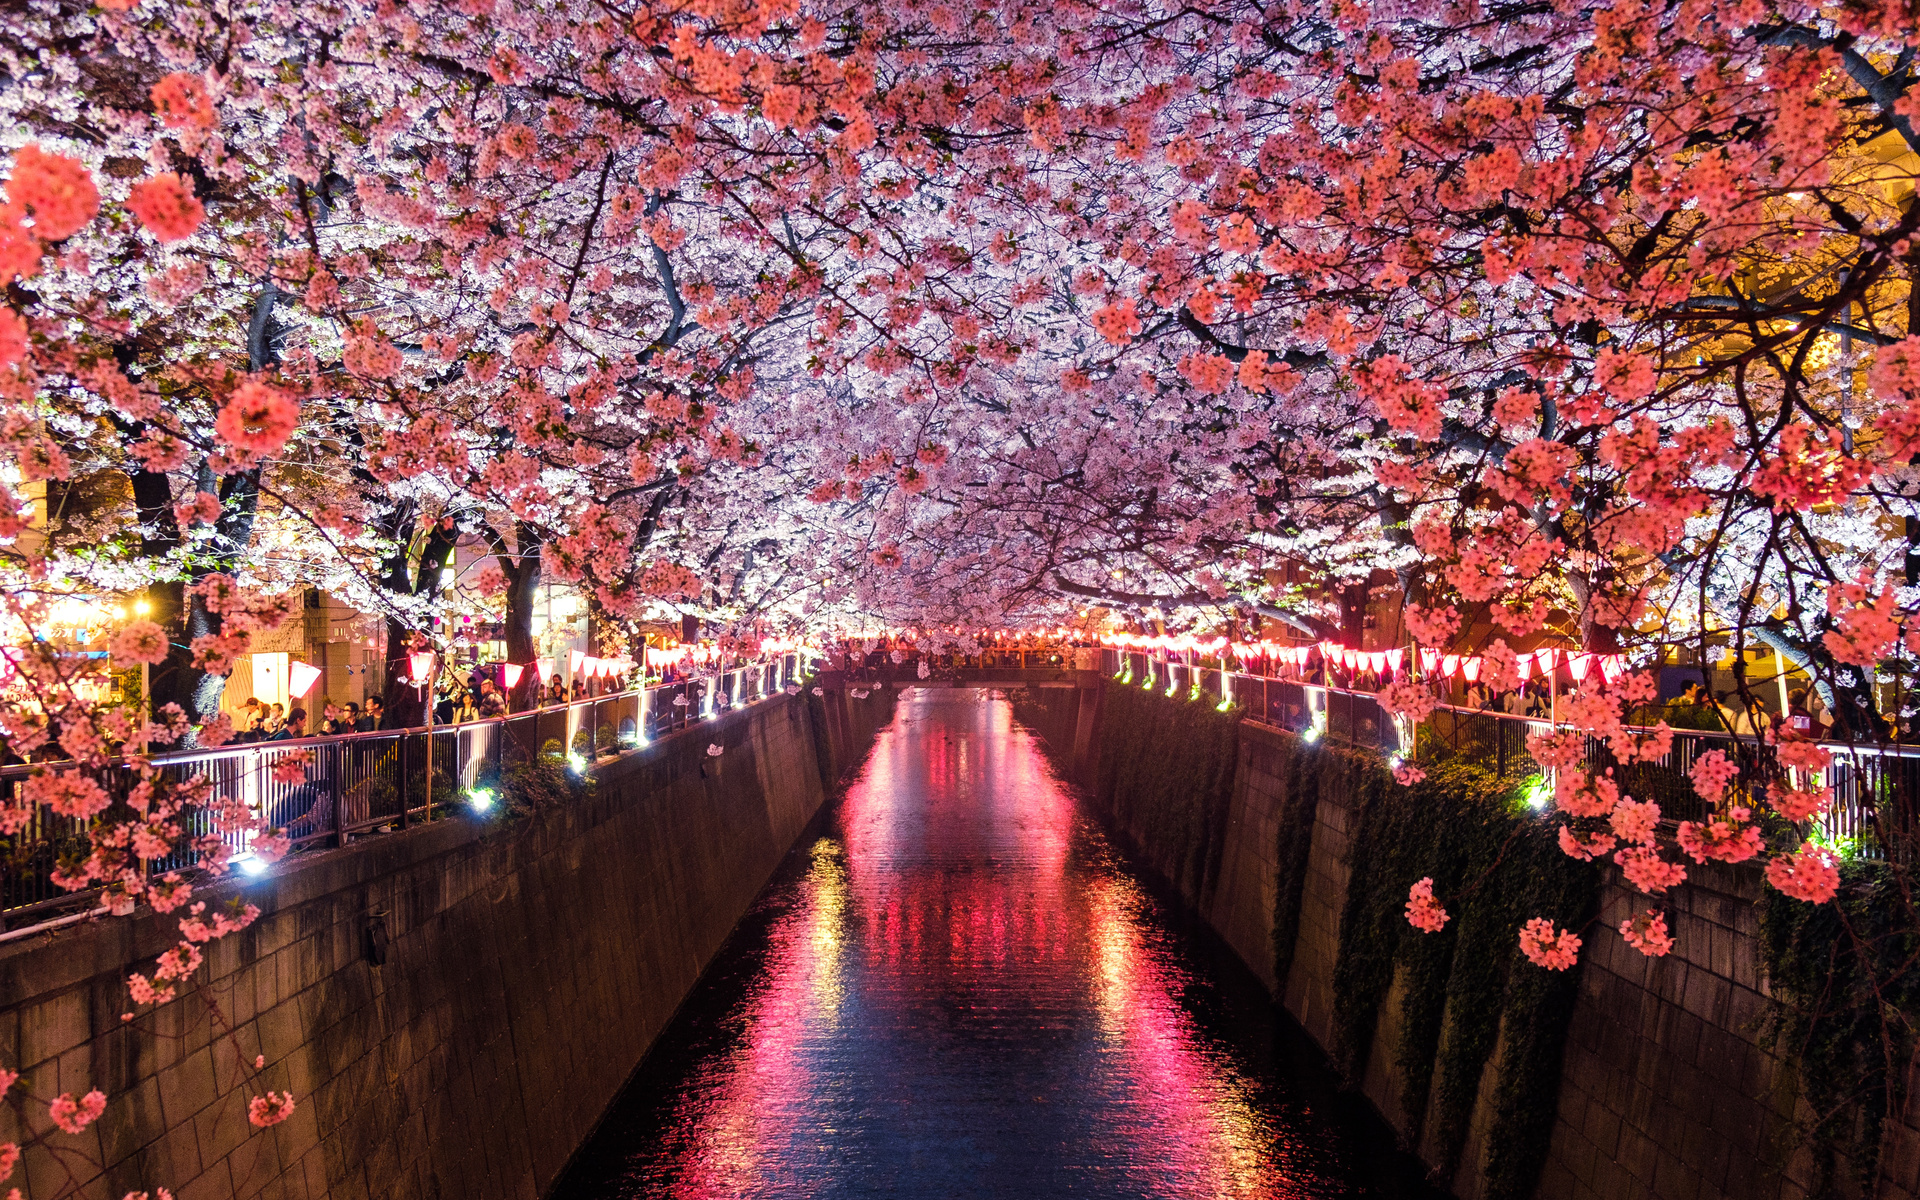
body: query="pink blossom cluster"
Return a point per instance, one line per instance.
(73, 1116)
(1809, 873)
(1423, 911)
(1546, 946)
(270, 1109)
(1647, 932)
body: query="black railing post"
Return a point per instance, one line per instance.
(402, 777)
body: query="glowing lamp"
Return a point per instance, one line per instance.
(300, 679)
(421, 664)
(511, 672)
(1470, 667)
(1578, 665)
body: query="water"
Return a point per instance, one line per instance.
(960, 989)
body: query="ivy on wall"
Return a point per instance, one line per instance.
(1465, 990)
(1845, 985)
(1166, 779)
(1301, 774)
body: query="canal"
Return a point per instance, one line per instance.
(960, 988)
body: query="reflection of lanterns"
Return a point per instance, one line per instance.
(300, 679)
(420, 662)
(512, 672)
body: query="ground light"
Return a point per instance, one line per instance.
(480, 799)
(576, 764)
(1310, 734)
(250, 863)
(1536, 791)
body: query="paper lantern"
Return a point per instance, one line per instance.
(1396, 657)
(1612, 666)
(542, 669)
(511, 672)
(420, 663)
(1470, 667)
(1578, 665)
(1449, 665)
(1546, 659)
(1523, 666)
(1429, 661)
(1377, 661)
(300, 679)
(574, 660)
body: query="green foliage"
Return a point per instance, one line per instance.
(1166, 776)
(1166, 779)
(1050, 712)
(1494, 865)
(1300, 777)
(1845, 983)
(530, 785)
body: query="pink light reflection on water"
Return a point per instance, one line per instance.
(968, 996)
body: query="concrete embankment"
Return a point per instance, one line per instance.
(1664, 1085)
(453, 1007)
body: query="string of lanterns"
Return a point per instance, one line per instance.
(1432, 661)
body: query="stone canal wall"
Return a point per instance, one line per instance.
(453, 1007)
(1666, 1087)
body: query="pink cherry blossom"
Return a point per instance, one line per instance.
(270, 1109)
(1809, 873)
(74, 1116)
(1647, 870)
(1647, 933)
(1545, 946)
(1423, 911)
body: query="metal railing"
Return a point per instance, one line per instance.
(1880, 781)
(359, 783)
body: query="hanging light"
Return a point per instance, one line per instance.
(300, 679)
(511, 672)
(420, 662)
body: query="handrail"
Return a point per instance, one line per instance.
(355, 783)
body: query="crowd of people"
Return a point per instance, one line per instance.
(456, 700)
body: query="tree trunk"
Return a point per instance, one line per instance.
(521, 565)
(406, 704)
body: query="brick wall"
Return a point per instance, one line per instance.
(528, 966)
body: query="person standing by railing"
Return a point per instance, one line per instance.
(295, 726)
(462, 710)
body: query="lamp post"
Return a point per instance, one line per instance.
(421, 662)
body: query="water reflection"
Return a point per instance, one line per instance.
(959, 990)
